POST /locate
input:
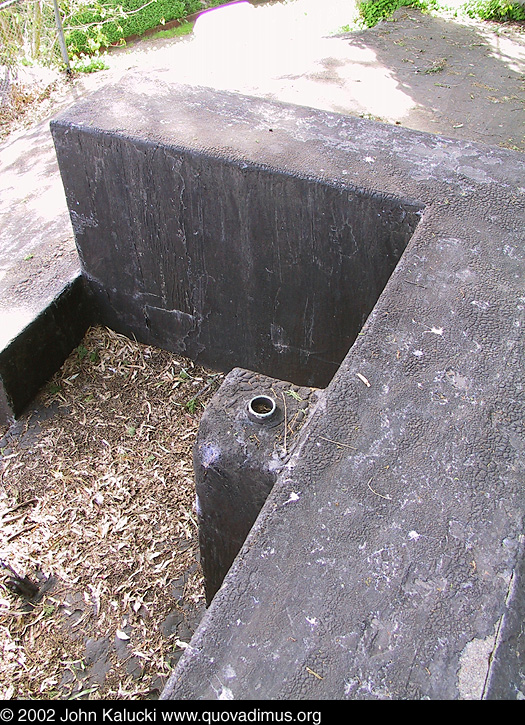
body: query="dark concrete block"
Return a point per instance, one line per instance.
(34, 355)
(386, 562)
(199, 253)
(241, 448)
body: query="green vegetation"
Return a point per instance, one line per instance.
(92, 25)
(88, 63)
(28, 31)
(83, 352)
(372, 11)
(494, 10)
(191, 406)
(177, 32)
(499, 10)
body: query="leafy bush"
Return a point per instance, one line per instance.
(92, 24)
(88, 63)
(372, 11)
(185, 28)
(216, 3)
(494, 10)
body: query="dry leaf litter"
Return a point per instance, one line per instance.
(97, 510)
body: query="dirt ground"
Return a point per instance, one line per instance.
(96, 500)
(97, 511)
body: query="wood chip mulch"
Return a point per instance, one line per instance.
(100, 586)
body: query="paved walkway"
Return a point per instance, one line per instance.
(421, 72)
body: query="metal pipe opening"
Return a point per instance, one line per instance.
(261, 408)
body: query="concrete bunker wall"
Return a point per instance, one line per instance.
(228, 263)
(237, 266)
(48, 339)
(387, 560)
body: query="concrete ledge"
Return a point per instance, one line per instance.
(34, 354)
(387, 561)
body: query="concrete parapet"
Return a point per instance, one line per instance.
(227, 261)
(36, 351)
(385, 266)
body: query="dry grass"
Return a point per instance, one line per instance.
(23, 106)
(96, 506)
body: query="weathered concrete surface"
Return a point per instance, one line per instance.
(386, 562)
(40, 347)
(204, 259)
(39, 267)
(237, 459)
(456, 78)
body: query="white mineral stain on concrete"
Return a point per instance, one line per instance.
(225, 694)
(229, 672)
(293, 497)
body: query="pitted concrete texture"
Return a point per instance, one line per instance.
(387, 562)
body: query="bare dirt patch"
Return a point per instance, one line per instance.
(101, 588)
